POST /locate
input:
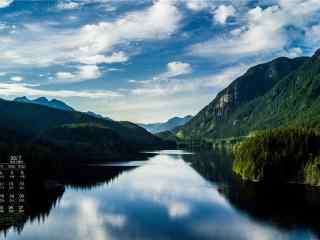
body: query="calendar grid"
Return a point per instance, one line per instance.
(12, 185)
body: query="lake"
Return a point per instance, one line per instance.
(172, 195)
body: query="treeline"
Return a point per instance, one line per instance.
(87, 141)
(280, 155)
(42, 160)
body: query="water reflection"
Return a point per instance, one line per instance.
(165, 198)
(44, 195)
(39, 201)
(289, 207)
(214, 166)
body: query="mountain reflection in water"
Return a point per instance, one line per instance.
(174, 196)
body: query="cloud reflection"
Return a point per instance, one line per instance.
(163, 198)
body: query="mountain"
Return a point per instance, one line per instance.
(54, 103)
(283, 92)
(166, 126)
(96, 115)
(33, 123)
(57, 104)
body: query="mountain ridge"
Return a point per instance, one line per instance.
(56, 104)
(53, 103)
(169, 125)
(33, 120)
(244, 105)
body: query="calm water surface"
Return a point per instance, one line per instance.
(173, 195)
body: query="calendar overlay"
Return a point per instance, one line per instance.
(12, 185)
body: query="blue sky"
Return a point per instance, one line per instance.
(145, 61)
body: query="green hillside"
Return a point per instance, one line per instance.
(87, 141)
(274, 94)
(46, 135)
(280, 156)
(30, 121)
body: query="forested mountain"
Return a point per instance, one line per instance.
(53, 103)
(283, 92)
(166, 126)
(57, 104)
(279, 156)
(27, 123)
(96, 115)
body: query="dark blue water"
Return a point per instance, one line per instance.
(170, 196)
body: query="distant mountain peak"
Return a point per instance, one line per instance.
(96, 115)
(24, 98)
(54, 103)
(42, 99)
(317, 53)
(169, 125)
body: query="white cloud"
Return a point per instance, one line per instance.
(197, 5)
(65, 75)
(92, 223)
(2, 74)
(223, 78)
(72, 18)
(174, 69)
(299, 8)
(115, 220)
(114, 70)
(216, 81)
(263, 32)
(63, 5)
(89, 72)
(116, 57)
(3, 26)
(156, 22)
(178, 210)
(92, 43)
(19, 89)
(178, 68)
(109, 8)
(222, 13)
(294, 52)
(192, 85)
(16, 78)
(5, 3)
(313, 37)
(85, 72)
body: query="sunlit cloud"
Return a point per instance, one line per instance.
(91, 43)
(265, 31)
(63, 5)
(178, 210)
(222, 13)
(92, 223)
(5, 3)
(20, 89)
(216, 81)
(174, 69)
(16, 78)
(197, 5)
(85, 72)
(116, 57)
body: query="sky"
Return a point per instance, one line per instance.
(143, 60)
